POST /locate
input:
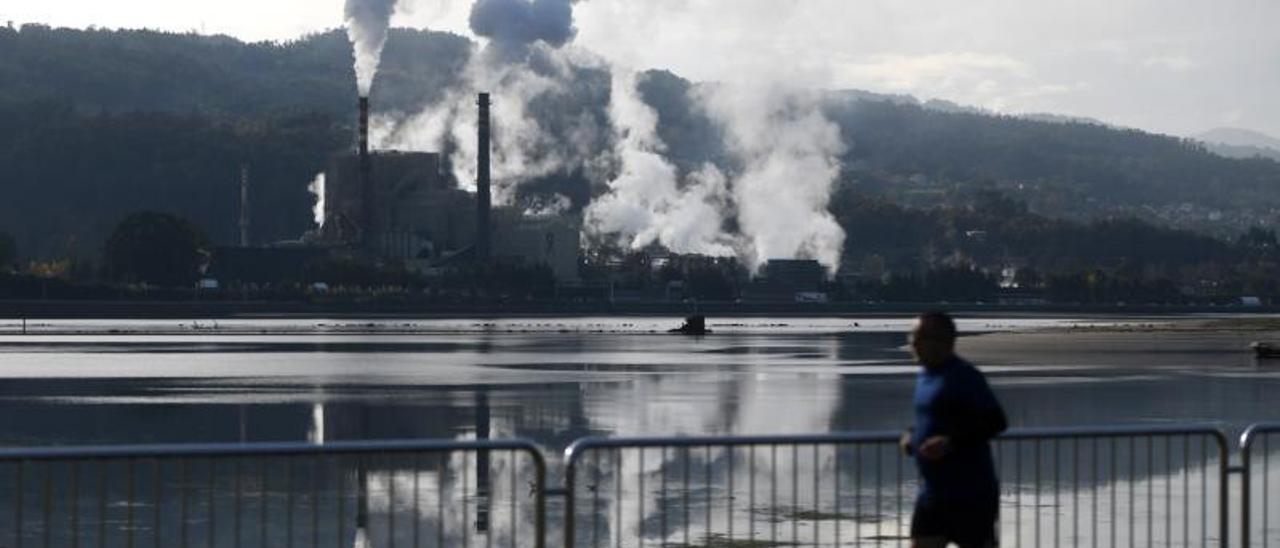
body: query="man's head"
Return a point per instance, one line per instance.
(933, 338)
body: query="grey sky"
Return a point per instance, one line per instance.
(1174, 66)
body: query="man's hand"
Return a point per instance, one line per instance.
(904, 442)
(935, 447)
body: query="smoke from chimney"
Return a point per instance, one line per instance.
(514, 24)
(367, 24)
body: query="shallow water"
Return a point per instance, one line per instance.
(556, 380)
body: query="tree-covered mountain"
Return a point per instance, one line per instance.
(97, 124)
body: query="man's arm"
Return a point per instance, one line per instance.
(985, 419)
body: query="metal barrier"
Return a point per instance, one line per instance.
(1100, 486)
(398, 493)
(1256, 509)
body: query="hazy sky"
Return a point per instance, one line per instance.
(1174, 66)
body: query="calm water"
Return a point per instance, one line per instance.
(550, 380)
(556, 380)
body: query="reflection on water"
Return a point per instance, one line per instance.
(553, 381)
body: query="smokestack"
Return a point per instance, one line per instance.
(244, 205)
(482, 181)
(366, 176)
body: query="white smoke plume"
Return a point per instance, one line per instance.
(522, 64)
(367, 24)
(789, 155)
(645, 202)
(317, 189)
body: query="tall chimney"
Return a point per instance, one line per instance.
(244, 205)
(482, 181)
(365, 177)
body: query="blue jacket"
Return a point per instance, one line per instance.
(954, 400)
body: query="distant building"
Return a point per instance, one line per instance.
(420, 217)
(795, 275)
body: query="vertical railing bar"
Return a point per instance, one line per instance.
(751, 492)
(897, 477)
(466, 516)
(857, 494)
(1186, 489)
(288, 502)
(1035, 458)
(1151, 491)
(46, 505)
(1204, 490)
(729, 501)
(157, 501)
(685, 494)
(212, 535)
(102, 503)
(773, 494)
(440, 477)
(835, 488)
(513, 462)
(315, 502)
(817, 498)
(1266, 472)
(879, 482)
(74, 502)
(1075, 491)
(1017, 492)
(236, 501)
(1115, 485)
(617, 497)
(640, 499)
(18, 503)
(1057, 514)
(707, 478)
(795, 494)
(341, 474)
(128, 507)
(417, 504)
(1168, 491)
(1097, 486)
(662, 498)
(595, 499)
(263, 497)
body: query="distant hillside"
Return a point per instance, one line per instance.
(1240, 143)
(95, 124)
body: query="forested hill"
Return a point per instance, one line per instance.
(95, 124)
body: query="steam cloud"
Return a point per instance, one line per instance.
(523, 22)
(790, 155)
(367, 24)
(763, 196)
(645, 202)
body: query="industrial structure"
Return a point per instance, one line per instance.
(407, 207)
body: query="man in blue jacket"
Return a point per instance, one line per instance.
(956, 417)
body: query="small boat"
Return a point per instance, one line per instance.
(1264, 350)
(693, 325)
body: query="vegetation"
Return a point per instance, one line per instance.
(156, 248)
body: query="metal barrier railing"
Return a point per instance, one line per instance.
(1128, 486)
(1118, 486)
(1258, 525)
(397, 493)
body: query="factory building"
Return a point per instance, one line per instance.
(405, 206)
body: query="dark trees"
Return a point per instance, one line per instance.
(156, 248)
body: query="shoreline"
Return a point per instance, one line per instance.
(175, 310)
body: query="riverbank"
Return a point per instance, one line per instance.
(43, 309)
